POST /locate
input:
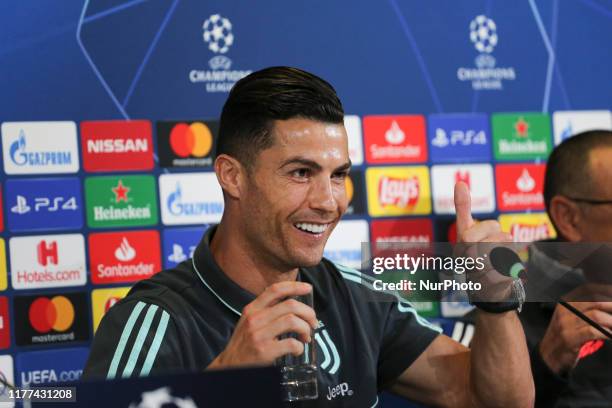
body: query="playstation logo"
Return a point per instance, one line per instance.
(22, 206)
(178, 255)
(441, 140)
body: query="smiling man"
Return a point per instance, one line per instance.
(282, 161)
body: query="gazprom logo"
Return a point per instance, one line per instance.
(21, 157)
(177, 207)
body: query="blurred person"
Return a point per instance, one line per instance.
(282, 160)
(571, 360)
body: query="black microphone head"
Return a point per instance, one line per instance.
(507, 262)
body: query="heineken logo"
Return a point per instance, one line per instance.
(521, 136)
(121, 201)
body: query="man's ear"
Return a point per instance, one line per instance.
(231, 175)
(566, 217)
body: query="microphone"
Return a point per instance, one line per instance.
(507, 262)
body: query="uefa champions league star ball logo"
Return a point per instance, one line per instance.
(218, 34)
(483, 33)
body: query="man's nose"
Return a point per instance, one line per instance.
(322, 196)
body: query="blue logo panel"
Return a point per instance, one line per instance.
(44, 204)
(50, 366)
(459, 138)
(179, 244)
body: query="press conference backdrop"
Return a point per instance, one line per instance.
(108, 125)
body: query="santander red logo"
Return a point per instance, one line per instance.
(117, 145)
(395, 139)
(520, 186)
(400, 192)
(126, 256)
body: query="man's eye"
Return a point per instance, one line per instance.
(300, 173)
(341, 175)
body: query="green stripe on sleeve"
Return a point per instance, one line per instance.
(140, 339)
(159, 336)
(125, 335)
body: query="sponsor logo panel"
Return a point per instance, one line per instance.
(352, 123)
(47, 261)
(218, 36)
(459, 138)
(520, 186)
(121, 201)
(355, 192)
(51, 318)
(398, 191)
(180, 243)
(190, 198)
(44, 204)
(569, 123)
(402, 231)
(3, 271)
(117, 145)
(40, 147)
(7, 376)
(521, 136)
(51, 366)
(103, 299)
(344, 243)
(186, 144)
(5, 324)
(126, 256)
(395, 139)
(478, 177)
(527, 227)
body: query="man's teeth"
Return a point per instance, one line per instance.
(314, 228)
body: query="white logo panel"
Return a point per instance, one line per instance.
(344, 244)
(40, 147)
(48, 261)
(190, 198)
(568, 123)
(479, 177)
(352, 123)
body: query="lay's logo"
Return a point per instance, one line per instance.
(529, 233)
(527, 227)
(402, 193)
(398, 190)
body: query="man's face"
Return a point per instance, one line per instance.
(597, 225)
(296, 192)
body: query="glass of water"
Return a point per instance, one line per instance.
(299, 373)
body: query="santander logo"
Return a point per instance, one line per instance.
(401, 192)
(525, 183)
(124, 251)
(395, 135)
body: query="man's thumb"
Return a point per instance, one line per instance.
(463, 208)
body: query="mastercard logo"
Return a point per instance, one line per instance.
(350, 189)
(56, 313)
(191, 140)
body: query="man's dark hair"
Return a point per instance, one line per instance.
(567, 170)
(275, 93)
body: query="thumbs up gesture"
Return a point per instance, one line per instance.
(469, 230)
(477, 239)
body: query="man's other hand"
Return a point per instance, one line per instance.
(255, 340)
